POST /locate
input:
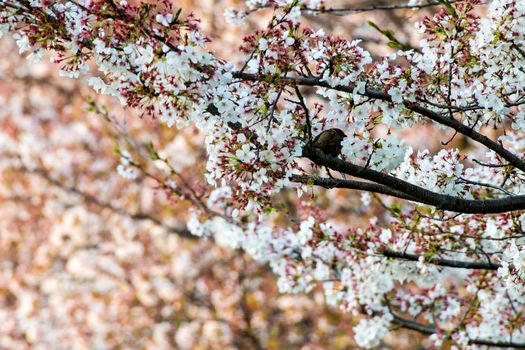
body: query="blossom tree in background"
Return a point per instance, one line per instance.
(446, 255)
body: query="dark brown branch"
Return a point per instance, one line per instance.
(348, 10)
(442, 262)
(422, 195)
(353, 185)
(378, 188)
(379, 95)
(421, 328)
(358, 9)
(416, 326)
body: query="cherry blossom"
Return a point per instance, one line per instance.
(446, 255)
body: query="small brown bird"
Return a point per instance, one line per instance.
(329, 141)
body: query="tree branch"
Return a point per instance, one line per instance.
(354, 185)
(442, 262)
(421, 328)
(422, 195)
(414, 107)
(347, 10)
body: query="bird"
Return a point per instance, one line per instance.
(329, 141)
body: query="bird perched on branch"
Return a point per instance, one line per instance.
(329, 141)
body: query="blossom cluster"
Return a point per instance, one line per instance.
(94, 260)
(159, 65)
(356, 277)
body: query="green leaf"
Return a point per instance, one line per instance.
(396, 208)
(429, 256)
(389, 34)
(269, 210)
(117, 150)
(152, 151)
(373, 25)
(91, 107)
(395, 45)
(392, 40)
(311, 181)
